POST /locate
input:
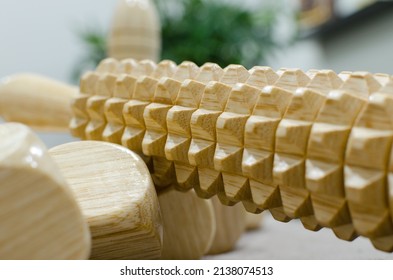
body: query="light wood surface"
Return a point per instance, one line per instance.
(231, 222)
(367, 167)
(135, 31)
(326, 155)
(287, 141)
(189, 224)
(253, 221)
(24, 98)
(117, 197)
(39, 216)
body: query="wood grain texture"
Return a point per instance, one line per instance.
(189, 224)
(276, 141)
(155, 116)
(367, 165)
(95, 104)
(117, 197)
(135, 31)
(326, 154)
(230, 225)
(24, 97)
(39, 216)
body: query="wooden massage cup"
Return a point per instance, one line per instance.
(314, 146)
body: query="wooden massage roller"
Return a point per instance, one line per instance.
(314, 146)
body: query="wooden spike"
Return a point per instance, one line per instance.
(165, 68)
(234, 74)
(261, 76)
(382, 79)
(108, 65)
(324, 81)
(291, 79)
(209, 72)
(361, 84)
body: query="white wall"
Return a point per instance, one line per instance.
(366, 47)
(39, 36)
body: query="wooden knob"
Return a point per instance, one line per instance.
(189, 224)
(39, 216)
(36, 101)
(114, 189)
(230, 225)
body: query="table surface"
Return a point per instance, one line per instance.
(290, 241)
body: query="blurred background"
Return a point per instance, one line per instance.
(54, 37)
(62, 39)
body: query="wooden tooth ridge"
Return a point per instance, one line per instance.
(80, 117)
(179, 125)
(144, 86)
(367, 167)
(325, 122)
(123, 92)
(326, 153)
(291, 145)
(155, 116)
(203, 128)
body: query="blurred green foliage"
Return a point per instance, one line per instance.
(93, 41)
(216, 31)
(200, 31)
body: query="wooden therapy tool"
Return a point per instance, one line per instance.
(314, 146)
(117, 196)
(135, 31)
(29, 99)
(39, 216)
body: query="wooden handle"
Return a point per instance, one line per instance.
(39, 216)
(36, 101)
(314, 146)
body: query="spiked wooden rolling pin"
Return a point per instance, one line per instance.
(314, 146)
